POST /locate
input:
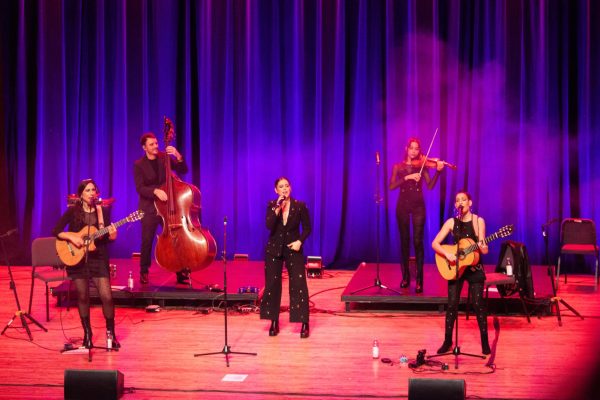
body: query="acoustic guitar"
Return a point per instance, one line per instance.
(468, 253)
(71, 255)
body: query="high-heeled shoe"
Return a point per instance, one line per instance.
(419, 288)
(274, 329)
(404, 284)
(485, 345)
(87, 333)
(305, 331)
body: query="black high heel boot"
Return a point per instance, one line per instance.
(419, 286)
(405, 277)
(87, 332)
(110, 333)
(446, 345)
(305, 331)
(485, 344)
(274, 329)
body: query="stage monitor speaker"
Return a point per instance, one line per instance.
(93, 384)
(435, 389)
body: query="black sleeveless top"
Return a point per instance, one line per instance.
(464, 230)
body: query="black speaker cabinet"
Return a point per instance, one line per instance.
(436, 389)
(93, 384)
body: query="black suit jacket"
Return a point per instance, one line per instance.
(282, 235)
(145, 179)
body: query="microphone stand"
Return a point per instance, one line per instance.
(456, 350)
(226, 348)
(23, 315)
(377, 283)
(555, 300)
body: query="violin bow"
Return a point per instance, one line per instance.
(428, 150)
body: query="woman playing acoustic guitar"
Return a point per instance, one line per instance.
(79, 217)
(464, 225)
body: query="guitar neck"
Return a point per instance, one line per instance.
(475, 246)
(104, 230)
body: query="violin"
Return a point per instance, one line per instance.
(429, 162)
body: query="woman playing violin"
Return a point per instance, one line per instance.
(407, 175)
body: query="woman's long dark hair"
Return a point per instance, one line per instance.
(80, 214)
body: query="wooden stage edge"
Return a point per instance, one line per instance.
(530, 360)
(245, 281)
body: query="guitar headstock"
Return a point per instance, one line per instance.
(169, 131)
(506, 230)
(135, 216)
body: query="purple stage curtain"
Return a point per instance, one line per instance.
(310, 90)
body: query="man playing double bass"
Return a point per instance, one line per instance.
(149, 175)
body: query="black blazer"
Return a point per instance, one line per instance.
(281, 235)
(145, 179)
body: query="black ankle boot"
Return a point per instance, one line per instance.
(419, 287)
(87, 332)
(183, 277)
(110, 334)
(405, 283)
(274, 329)
(305, 331)
(446, 345)
(485, 344)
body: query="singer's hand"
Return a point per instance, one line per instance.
(295, 245)
(162, 196)
(72, 237)
(450, 257)
(112, 232)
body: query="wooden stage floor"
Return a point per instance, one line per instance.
(539, 360)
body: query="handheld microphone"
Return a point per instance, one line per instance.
(459, 210)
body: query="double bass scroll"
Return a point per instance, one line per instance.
(183, 243)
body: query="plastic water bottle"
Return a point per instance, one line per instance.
(403, 360)
(130, 281)
(375, 349)
(109, 338)
(509, 267)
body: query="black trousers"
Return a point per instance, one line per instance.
(150, 224)
(404, 211)
(271, 301)
(476, 281)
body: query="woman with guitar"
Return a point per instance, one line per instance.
(470, 227)
(87, 216)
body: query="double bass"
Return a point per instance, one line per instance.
(183, 242)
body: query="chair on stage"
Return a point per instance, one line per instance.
(577, 236)
(520, 282)
(44, 256)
